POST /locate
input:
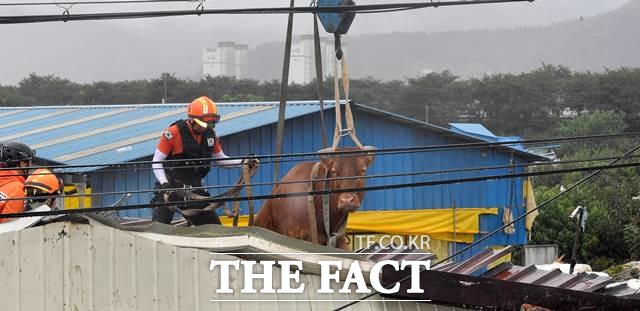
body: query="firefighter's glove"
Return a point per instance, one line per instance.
(164, 190)
(252, 162)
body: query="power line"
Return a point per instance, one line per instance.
(90, 2)
(372, 8)
(423, 173)
(484, 238)
(329, 191)
(382, 151)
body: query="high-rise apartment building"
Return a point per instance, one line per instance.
(228, 59)
(302, 69)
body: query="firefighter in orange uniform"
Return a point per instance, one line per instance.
(187, 141)
(15, 157)
(41, 187)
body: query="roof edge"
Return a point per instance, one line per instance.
(158, 105)
(442, 130)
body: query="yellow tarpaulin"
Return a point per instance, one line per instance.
(530, 203)
(436, 223)
(74, 202)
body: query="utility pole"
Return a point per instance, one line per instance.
(164, 98)
(426, 113)
(581, 224)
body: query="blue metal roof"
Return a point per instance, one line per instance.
(468, 137)
(98, 135)
(481, 132)
(86, 135)
(474, 129)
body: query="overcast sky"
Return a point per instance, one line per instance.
(134, 49)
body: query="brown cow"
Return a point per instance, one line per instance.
(289, 216)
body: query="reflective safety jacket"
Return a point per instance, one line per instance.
(11, 186)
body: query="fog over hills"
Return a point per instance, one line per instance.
(385, 46)
(589, 43)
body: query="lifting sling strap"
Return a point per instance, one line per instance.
(339, 132)
(350, 127)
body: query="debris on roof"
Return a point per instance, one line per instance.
(508, 286)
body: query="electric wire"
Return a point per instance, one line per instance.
(91, 2)
(372, 8)
(332, 191)
(382, 151)
(485, 237)
(453, 170)
(402, 174)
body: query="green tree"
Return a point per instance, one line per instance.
(437, 91)
(619, 90)
(609, 197)
(48, 90)
(9, 96)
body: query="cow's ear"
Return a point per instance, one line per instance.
(326, 157)
(369, 156)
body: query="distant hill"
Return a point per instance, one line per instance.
(594, 43)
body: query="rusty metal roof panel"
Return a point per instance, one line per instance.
(588, 282)
(523, 275)
(446, 266)
(555, 278)
(497, 271)
(481, 260)
(550, 275)
(583, 282)
(622, 290)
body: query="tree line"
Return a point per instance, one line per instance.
(612, 199)
(526, 103)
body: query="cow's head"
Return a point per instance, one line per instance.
(348, 165)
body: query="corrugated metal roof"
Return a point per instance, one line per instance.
(87, 135)
(471, 128)
(519, 150)
(481, 132)
(584, 282)
(510, 287)
(73, 266)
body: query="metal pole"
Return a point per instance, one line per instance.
(455, 240)
(283, 96)
(319, 77)
(576, 242)
(426, 113)
(164, 98)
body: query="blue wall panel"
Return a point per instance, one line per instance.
(302, 134)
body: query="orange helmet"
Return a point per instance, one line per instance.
(42, 182)
(203, 111)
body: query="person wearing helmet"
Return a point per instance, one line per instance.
(39, 188)
(186, 141)
(15, 158)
